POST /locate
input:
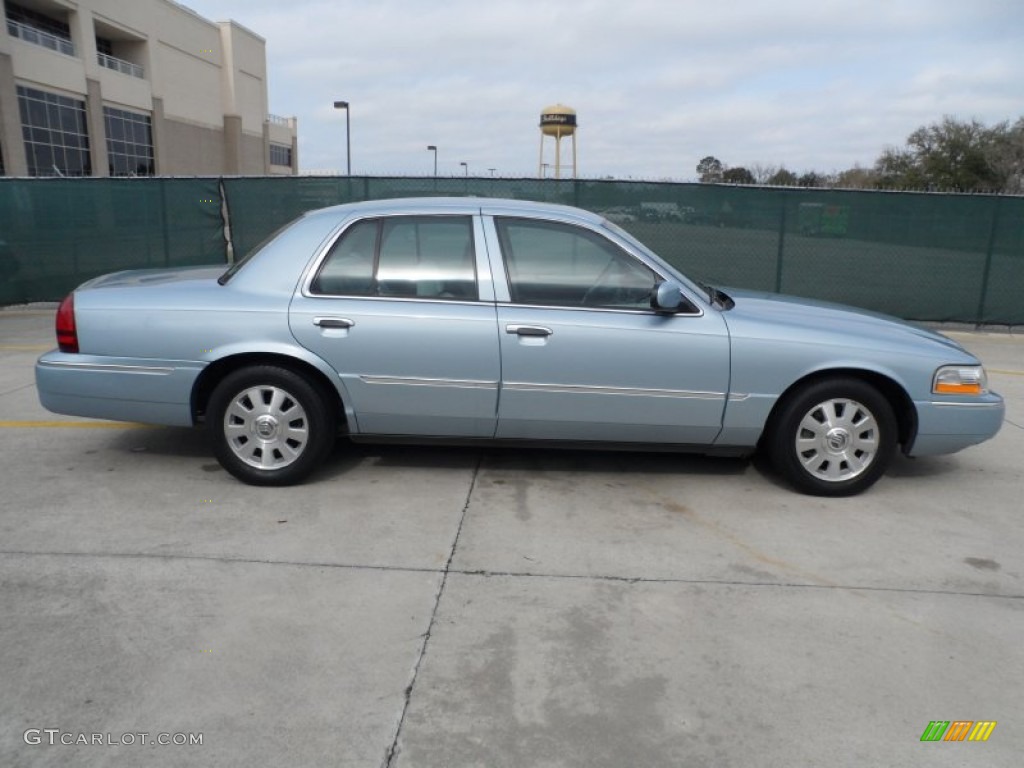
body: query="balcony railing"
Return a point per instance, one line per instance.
(37, 36)
(120, 65)
(278, 120)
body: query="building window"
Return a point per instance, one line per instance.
(55, 133)
(129, 142)
(34, 27)
(280, 155)
(36, 20)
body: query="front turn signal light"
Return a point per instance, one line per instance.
(960, 380)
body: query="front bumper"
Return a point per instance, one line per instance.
(948, 426)
(121, 389)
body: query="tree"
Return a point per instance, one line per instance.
(762, 172)
(956, 155)
(898, 169)
(1006, 155)
(812, 179)
(856, 178)
(738, 176)
(782, 178)
(710, 169)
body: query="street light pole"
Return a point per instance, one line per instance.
(432, 148)
(466, 166)
(348, 135)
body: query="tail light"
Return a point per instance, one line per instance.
(67, 332)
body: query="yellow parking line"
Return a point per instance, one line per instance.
(25, 347)
(71, 424)
(1005, 373)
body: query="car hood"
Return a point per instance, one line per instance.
(138, 277)
(827, 318)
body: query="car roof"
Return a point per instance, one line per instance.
(457, 205)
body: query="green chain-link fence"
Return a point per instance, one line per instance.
(941, 257)
(56, 233)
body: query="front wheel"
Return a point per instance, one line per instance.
(833, 437)
(269, 425)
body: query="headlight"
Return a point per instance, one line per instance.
(960, 380)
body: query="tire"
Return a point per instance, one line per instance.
(269, 425)
(833, 437)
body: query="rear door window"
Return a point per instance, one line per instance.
(424, 257)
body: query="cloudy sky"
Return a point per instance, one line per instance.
(657, 84)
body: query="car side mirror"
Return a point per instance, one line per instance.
(667, 296)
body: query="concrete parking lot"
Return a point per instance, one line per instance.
(456, 607)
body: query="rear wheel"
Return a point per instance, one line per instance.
(833, 437)
(269, 425)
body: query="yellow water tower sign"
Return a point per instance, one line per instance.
(558, 122)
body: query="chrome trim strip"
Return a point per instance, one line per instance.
(415, 381)
(417, 299)
(151, 370)
(566, 308)
(570, 389)
(736, 397)
(965, 405)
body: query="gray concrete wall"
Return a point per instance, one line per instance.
(97, 128)
(157, 123)
(232, 145)
(11, 144)
(255, 155)
(190, 150)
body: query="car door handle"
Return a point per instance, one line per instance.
(528, 330)
(333, 322)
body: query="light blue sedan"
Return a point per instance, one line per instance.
(478, 320)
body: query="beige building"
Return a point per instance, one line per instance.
(134, 87)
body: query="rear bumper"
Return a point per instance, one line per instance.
(121, 389)
(950, 426)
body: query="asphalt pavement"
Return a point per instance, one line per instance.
(458, 607)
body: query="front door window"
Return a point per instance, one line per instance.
(550, 264)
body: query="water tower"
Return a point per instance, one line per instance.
(557, 121)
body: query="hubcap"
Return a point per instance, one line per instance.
(266, 427)
(837, 440)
